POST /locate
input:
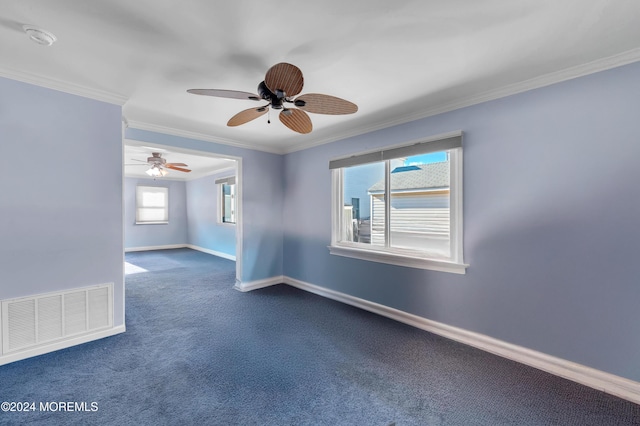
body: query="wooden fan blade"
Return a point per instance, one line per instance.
(134, 159)
(284, 77)
(246, 116)
(180, 169)
(233, 94)
(176, 164)
(298, 120)
(325, 104)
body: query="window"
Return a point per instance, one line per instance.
(227, 197)
(152, 205)
(401, 205)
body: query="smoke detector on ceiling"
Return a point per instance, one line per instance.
(39, 35)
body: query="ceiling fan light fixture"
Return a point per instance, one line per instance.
(39, 35)
(156, 171)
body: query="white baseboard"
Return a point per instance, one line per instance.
(255, 285)
(596, 379)
(213, 252)
(165, 247)
(41, 350)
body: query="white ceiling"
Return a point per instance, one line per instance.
(397, 60)
(136, 154)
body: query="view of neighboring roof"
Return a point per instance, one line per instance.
(424, 176)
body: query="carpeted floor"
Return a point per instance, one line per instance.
(198, 352)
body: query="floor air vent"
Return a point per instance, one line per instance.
(41, 319)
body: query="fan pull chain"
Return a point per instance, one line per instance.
(269, 116)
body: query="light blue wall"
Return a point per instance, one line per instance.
(551, 213)
(60, 193)
(262, 200)
(551, 222)
(174, 232)
(202, 208)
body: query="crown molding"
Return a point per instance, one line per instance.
(593, 67)
(599, 65)
(140, 125)
(63, 86)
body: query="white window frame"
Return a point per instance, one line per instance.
(230, 180)
(140, 189)
(392, 255)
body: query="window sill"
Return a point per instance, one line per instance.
(152, 223)
(399, 260)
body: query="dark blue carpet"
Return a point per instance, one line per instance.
(197, 352)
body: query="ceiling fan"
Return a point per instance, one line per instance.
(281, 83)
(159, 165)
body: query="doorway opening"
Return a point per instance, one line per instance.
(175, 197)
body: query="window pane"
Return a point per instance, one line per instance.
(153, 199)
(363, 205)
(228, 203)
(419, 215)
(152, 204)
(147, 214)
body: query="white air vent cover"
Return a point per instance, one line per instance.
(40, 319)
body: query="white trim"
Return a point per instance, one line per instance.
(255, 285)
(239, 220)
(140, 125)
(122, 215)
(598, 65)
(148, 248)
(159, 222)
(570, 73)
(40, 350)
(63, 86)
(455, 207)
(398, 259)
(596, 379)
(337, 195)
(211, 173)
(212, 252)
(393, 255)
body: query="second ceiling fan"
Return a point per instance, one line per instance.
(282, 82)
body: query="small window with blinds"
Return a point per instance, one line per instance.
(401, 205)
(152, 205)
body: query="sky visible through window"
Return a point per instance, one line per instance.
(433, 157)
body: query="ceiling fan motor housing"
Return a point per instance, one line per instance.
(268, 95)
(156, 160)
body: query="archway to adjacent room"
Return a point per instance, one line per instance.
(200, 209)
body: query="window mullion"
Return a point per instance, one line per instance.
(387, 203)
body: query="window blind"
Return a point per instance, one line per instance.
(398, 152)
(231, 180)
(152, 204)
